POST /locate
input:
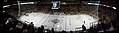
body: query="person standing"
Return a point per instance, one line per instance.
(83, 27)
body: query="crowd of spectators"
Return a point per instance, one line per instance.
(9, 24)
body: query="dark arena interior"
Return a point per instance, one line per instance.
(59, 16)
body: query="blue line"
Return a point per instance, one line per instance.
(46, 19)
(42, 19)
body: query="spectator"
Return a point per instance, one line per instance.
(103, 26)
(83, 28)
(42, 29)
(71, 31)
(52, 30)
(63, 31)
(39, 30)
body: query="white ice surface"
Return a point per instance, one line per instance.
(67, 22)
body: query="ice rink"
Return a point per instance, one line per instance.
(64, 22)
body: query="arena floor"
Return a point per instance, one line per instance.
(64, 22)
